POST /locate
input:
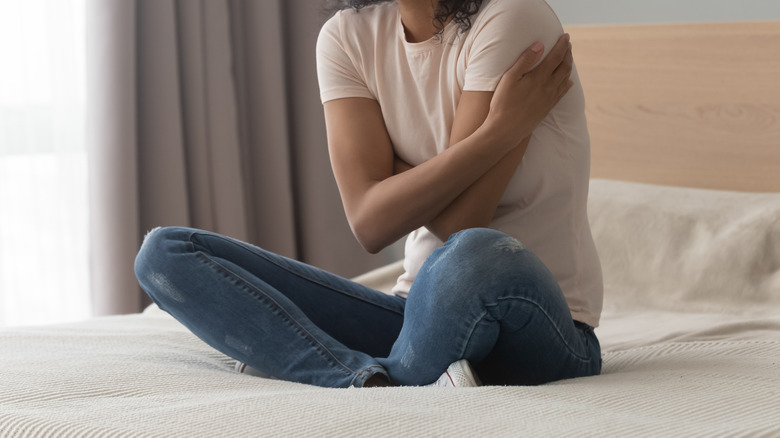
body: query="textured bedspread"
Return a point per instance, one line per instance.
(691, 357)
(144, 375)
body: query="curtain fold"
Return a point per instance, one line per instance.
(206, 114)
(112, 157)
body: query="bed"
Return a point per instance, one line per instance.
(685, 211)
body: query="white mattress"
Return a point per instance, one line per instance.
(680, 361)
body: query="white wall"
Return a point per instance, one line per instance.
(663, 11)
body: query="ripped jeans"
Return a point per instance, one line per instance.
(482, 297)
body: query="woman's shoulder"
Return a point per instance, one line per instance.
(496, 6)
(370, 18)
(499, 33)
(510, 10)
(357, 32)
(511, 22)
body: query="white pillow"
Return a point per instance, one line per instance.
(686, 249)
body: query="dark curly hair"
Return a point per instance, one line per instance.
(459, 10)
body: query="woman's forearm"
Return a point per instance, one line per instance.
(392, 207)
(477, 205)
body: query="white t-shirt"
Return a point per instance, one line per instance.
(418, 86)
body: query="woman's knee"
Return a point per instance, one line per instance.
(485, 242)
(483, 259)
(478, 251)
(153, 263)
(153, 248)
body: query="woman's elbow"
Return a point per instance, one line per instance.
(369, 234)
(372, 248)
(368, 238)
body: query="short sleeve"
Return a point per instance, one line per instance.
(501, 33)
(337, 74)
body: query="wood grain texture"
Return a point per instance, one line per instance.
(694, 105)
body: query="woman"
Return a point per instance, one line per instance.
(442, 127)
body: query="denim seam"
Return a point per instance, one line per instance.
(471, 331)
(257, 293)
(547, 315)
(304, 276)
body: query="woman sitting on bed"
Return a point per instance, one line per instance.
(443, 124)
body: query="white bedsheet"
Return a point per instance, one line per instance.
(676, 363)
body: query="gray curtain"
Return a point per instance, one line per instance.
(206, 113)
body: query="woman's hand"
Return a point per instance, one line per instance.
(525, 95)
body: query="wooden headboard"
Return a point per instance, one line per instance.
(694, 105)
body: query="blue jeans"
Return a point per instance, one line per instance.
(482, 297)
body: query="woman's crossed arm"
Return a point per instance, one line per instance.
(489, 137)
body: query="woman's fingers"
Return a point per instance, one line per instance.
(526, 61)
(563, 70)
(526, 94)
(555, 57)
